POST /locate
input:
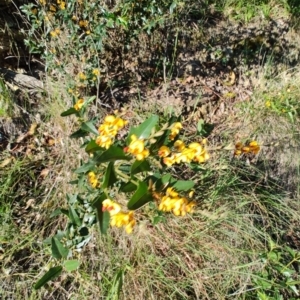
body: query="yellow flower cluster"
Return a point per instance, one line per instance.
(78, 105)
(55, 33)
(82, 76)
(108, 130)
(83, 23)
(252, 148)
(194, 152)
(62, 4)
(119, 218)
(173, 202)
(175, 130)
(137, 148)
(92, 178)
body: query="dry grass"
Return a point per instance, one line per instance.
(214, 254)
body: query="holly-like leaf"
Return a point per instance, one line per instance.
(140, 197)
(58, 249)
(113, 153)
(78, 134)
(85, 167)
(74, 216)
(89, 127)
(71, 265)
(50, 275)
(140, 166)
(183, 185)
(110, 176)
(103, 216)
(69, 112)
(92, 147)
(128, 187)
(143, 131)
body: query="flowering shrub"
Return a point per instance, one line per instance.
(127, 167)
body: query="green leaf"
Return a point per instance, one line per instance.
(173, 5)
(85, 167)
(50, 275)
(110, 176)
(183, 185)
(103, 216)
(78, 134)
(92, 147)
(140, 166)
(111, 154)
(128, 187)
(140, 197)
(143, 131)
(89, 127)
(71, 265)
(69, 112)
(58, 249)
(74, 216)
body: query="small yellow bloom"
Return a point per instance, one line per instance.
(268, 103)
(164, 151)
(52, 8)
(82, 76)
(179, 145)
(170, 192)
(62, 5)
(175, 130)
(104, 141)
(96, 72)
(83, 23)
(92, 178)
(79, 104)
(254, 147)
(88, 32)
(125, 219)
(74, 18)
(137, 148)
(112, 207)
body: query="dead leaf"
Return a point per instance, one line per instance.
(32, 129)
(44, 173)
(30, 203)
(7, 161)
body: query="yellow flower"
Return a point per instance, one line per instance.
(268, 103)
(93, 179)
(82, 76)
(83, 23)
(175, 130)
(34, 11)
(254, 147)
(137, 148)
(62, 5)
(54, 33)
(164, 151)
(169, 161)
(172, 202)
(88, 32)
(125, 219)
(96, 72)
(112, 207)
(104, 141)
(170, 192)
(179, 145)
(79, 104)
(52, 8)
